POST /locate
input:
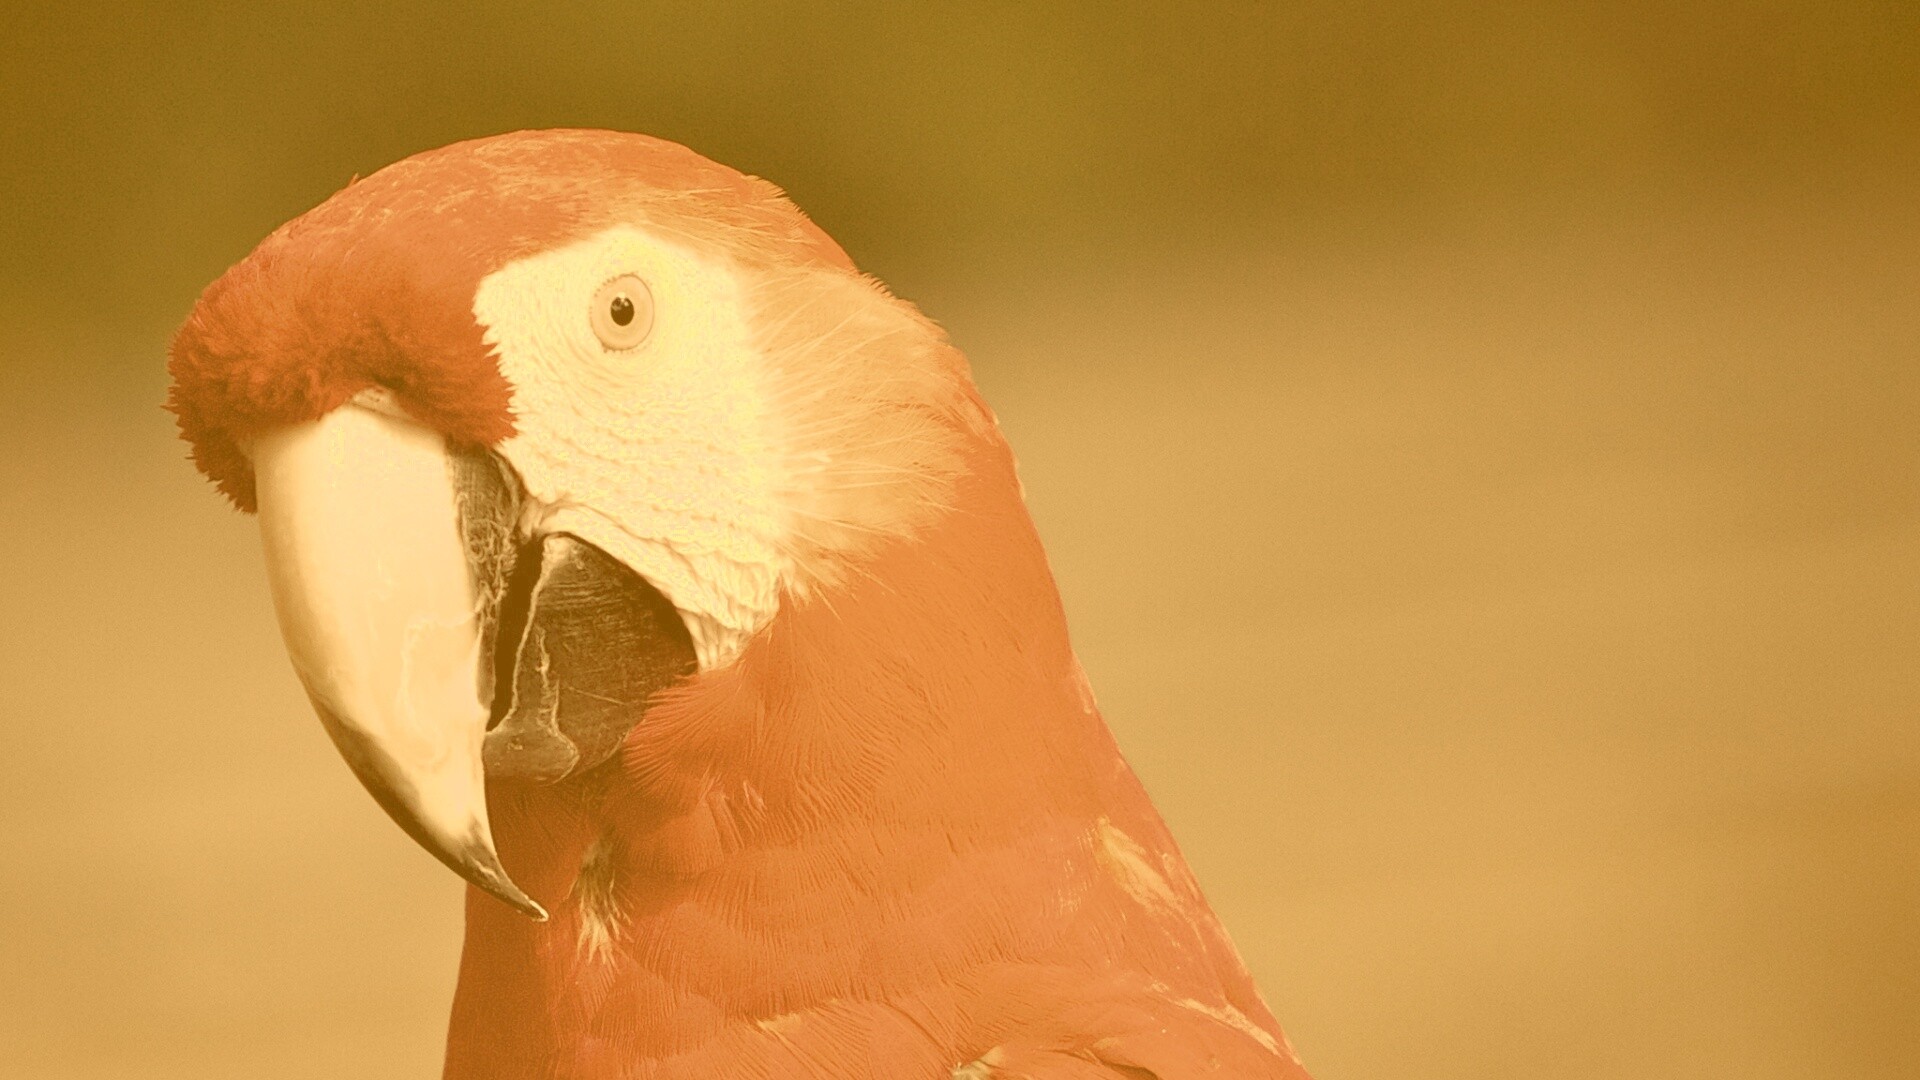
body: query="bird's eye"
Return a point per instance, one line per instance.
(622, 313)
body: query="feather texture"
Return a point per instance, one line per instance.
(892, 840)
(884, 834)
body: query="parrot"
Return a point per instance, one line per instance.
(668, 579)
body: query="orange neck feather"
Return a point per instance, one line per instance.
(894, 831)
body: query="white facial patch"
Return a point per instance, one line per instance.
(657, 454)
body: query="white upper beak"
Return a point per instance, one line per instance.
(371, 583)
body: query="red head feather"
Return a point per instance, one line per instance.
(375, 286)
(893, 838)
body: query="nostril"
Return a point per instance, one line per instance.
(383, 399)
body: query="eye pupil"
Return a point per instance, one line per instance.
(621, 313)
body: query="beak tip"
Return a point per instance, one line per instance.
(480, 864)
(524, 904)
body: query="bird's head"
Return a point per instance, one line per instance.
(537, 425)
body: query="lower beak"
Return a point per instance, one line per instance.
(360, 519)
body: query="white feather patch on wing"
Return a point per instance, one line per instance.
(980, 1068)
(1129, 865)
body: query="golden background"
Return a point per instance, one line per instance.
(1479, 445)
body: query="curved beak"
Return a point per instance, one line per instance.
(360, 520)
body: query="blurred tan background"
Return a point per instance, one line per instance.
(1479, 445)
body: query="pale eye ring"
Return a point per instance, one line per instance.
(622, 313)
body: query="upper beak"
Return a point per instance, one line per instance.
(360, 518)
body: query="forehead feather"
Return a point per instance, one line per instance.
(376, 285)
(495, 199)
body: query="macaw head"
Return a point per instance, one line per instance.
(537, 425)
